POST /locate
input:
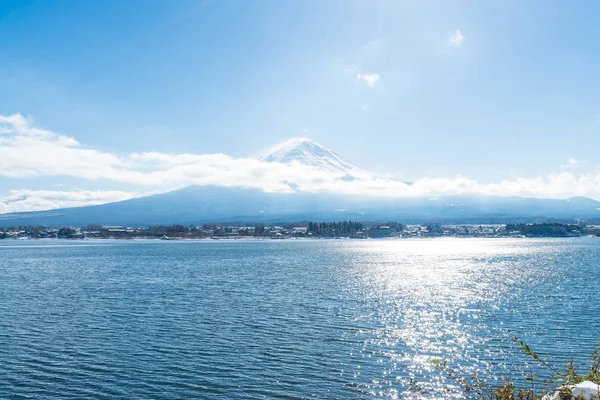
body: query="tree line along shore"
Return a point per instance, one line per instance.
(304, 229)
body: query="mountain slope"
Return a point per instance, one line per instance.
(198, 204)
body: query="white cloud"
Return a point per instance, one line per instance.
(457, 39)
(26, 151)
(571, 164)
(369, 79)
(35, 200)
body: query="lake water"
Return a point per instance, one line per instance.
(285, 319)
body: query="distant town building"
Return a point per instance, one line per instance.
(381, 231)
(300, 230)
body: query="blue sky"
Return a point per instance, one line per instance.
(515, 95)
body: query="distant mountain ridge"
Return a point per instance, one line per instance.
(198, 204)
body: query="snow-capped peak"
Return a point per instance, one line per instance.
(308, 152)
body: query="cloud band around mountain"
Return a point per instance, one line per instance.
(27, 152)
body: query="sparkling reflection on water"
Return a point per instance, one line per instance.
(287, 319)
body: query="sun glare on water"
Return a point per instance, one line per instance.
(431, 299)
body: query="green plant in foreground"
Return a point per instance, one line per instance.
(560, 380)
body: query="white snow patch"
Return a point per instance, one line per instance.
(582, 391)
(308, 152)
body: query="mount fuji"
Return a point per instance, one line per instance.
(210, 203)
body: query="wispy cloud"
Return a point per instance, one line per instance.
(572, 163)
(35, 200)
(26, 151)
(457, 39)
(369, 79)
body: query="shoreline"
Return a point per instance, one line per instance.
(287, 239)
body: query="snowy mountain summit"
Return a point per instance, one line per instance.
(308, 152)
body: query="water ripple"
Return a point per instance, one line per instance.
(289, 320)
